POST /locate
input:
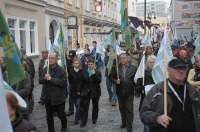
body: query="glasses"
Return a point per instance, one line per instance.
(51, 58)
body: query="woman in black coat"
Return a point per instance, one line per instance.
(148, 79)
(75, 80)
(90, 90)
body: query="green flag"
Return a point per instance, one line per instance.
(110, 61)
(62, 47)
(11, 52)
(124, 23)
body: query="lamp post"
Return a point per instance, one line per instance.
(151, 15)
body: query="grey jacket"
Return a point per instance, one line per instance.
(127, 84)
(153, 106)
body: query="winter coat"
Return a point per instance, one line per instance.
(75, 80)
(91, 85)
(127, 84)
(55, 89)
(153, 106)
(21, 125)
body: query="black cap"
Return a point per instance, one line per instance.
(176, 63)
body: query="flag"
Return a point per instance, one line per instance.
(110, 61)
(158, 68)
(11, 52)
(112, 51)
(62, 47)
(21, 101)
(5, 124)
(118, 50)
(124, 23)
(155, 34)
(141, 68)
(145, 39)
(100, 49)
(108, 39)
(197, 47)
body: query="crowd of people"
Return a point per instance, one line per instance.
(81, 80)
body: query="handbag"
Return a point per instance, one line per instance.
(84, 92)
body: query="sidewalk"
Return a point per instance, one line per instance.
(109, 119)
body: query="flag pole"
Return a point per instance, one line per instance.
(117, 66)
(95, 57)
(48, 56)
(165, 86)
(143, 70)
(165, 81)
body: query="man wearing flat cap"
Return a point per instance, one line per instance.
(40, 70)
(182, 101)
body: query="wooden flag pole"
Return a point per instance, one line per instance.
(117, 66)
(165, 86)
(95, 57)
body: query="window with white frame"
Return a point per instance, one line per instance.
(77, 3)
(87, 5)
(25, 33)
(69, 1)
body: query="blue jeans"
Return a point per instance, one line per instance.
(146, 128)
(42, 97)
(77, 103)
(111, 92)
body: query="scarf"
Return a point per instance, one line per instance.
(89, 72)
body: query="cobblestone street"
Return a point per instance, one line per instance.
(109, 119)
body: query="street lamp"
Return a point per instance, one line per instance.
(151, 15)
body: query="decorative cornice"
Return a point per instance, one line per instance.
(20, 7)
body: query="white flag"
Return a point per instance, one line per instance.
(141, 68)
(5, 124)
(118, 50)
(100, 49)
(158, 68)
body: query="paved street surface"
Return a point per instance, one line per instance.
(109, 119)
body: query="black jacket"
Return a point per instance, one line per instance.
(75, 80)
(55, 89)
(127, 84)
(153, 106)
(21, 125)
(91, 85)
(148, 79)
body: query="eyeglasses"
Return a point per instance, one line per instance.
(51, 58)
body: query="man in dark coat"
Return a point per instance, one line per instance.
(55, 81)
(182, 102)
(125, 90)
(40, 70)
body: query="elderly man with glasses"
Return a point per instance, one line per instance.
(55, 81)
(182, 102)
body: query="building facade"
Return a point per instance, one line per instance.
(185, 17)
(159, 7)
(132, 7)
(35, 23)
(26, 20)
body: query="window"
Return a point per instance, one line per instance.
(87, 5)
(77, 3)
(69, 1)
(25, 33)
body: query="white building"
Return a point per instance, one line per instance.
(132, 7)
(185, 17)
(159, 7)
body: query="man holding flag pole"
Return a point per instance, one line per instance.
(170, 105)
